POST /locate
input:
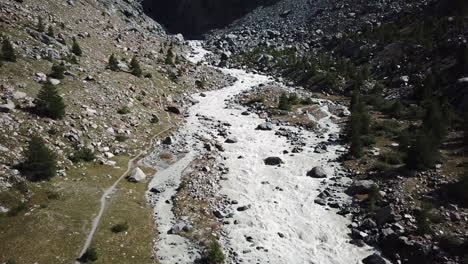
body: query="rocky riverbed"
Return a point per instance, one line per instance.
(268, 200)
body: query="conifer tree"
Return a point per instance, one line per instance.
(58, 71)
(40, 163)
(49, 102)
(76, 49)
(462, 60)
(8, 52)
(50, 32)
(169, 57)
(40, 25)
(284, 103)
(423, 153)
(113, 64)
(135, 67)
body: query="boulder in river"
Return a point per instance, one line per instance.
(265, 126)
(168, 141)
(231, 140)
(374, 259)
(273, 161)
(317, 172)
(137, 175)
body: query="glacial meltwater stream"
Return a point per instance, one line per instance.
(283, 222)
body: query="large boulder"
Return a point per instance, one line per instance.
(8, 107)
(231, 140)
(168, 140)
(359, 187)
(265, 126)
(174, 109)
(317, 172)
(273, 161)
(137, 175)
(374, 259)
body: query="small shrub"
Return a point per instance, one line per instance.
(8, 52)
(391, 157)
(124, 110)
(166, 156)
(89, 256)
(200, 84)
(284, 103)
(373, 196)
(58, 71)
(17, 210)
(50, 32)
(173, 77)
(121, 138)
(257, 99)
(135, 67)
(76, 49)
(113, 64)
(214, 253)
(120, 228)
(423, 222)
(51, 195)
(40, 25)
(307, 101)
(83, 154)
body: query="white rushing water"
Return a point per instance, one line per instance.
(310, 233)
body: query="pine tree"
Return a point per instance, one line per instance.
(50, 32)
(462, 60)
(284, 103)
(40, 25)
(169, 57)
(40, 163)
(423, 153)
(58, 71)
(135, 67)
(8, 52)
(113, 64)
(49, 102)
(76, 49)
(434, 123)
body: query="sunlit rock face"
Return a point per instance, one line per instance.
(192, 18)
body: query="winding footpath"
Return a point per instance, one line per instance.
(110, 190)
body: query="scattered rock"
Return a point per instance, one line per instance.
(317, 172)
(273, 161)
(136, 176)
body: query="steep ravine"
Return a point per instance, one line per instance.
(283, 226)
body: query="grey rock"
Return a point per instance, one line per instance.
(374, 259)
(317, 172)
(265, 126)
(273, 161)
(359, 187)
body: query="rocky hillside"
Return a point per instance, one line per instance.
(403, 64)
(112, 112)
